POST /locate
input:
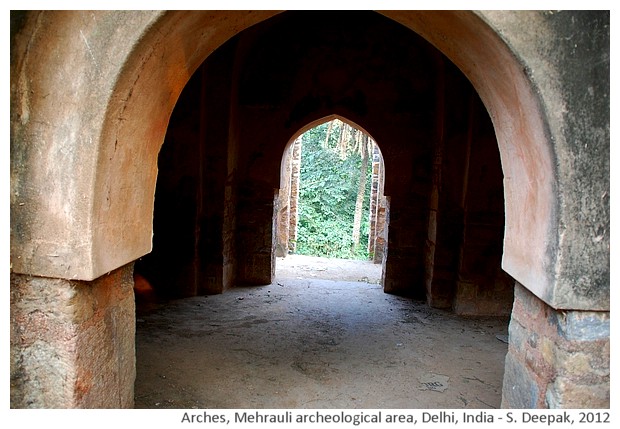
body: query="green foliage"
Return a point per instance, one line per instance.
(328, 190)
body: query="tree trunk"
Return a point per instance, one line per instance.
(361, 192)
(343, 140)
(329, 132)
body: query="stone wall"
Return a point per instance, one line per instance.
(547, 95)
(73, 342)
(482, 287)
(195, 198)
(288, 197)
(556, 359)
(283, 207)
(463, 246)
(381, 232)
(377, 231)
(294, 202)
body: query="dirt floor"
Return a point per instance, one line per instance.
(308, 341)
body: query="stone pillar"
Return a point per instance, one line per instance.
(194, 197)
(372, 212)
(288, 197)
(381, 231)
(482, 287)
(283, 206)
(432, 297)
(408, 184)
(256, 220)
(229, 239)
(73, 342)
(404, 267)
(376, 239)
(294, 200)
(556, 358)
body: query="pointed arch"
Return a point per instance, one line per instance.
(101, 132)
(289, 191)
(316, 123)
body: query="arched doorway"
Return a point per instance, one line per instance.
(330, 159)
(70, 228)
(485, 59)
(420, 112)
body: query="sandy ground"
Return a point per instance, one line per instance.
(308, 341)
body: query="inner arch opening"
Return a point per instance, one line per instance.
(327, 189)
(330, 203)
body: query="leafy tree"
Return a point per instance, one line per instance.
(329, 185)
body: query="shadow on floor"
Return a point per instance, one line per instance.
(310, 342)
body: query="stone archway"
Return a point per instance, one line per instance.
(288, 194)
(83, 176)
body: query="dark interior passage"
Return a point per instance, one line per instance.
(219, 168)
(331, 194)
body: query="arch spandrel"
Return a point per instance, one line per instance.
(121, 74)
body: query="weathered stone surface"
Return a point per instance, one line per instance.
(571, 371)
(567, 54)
(86, 137)
(294, 208)
(288, 197)
(72, 343)
(583, 326)
(520, 388)
(283, 208)
(376, 197)
(565, 393)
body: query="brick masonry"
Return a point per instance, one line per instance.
(556, 359)
(72, 342)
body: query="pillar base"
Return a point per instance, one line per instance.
(73, 342)
(556, 359)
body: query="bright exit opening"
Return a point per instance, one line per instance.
(331, 204)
